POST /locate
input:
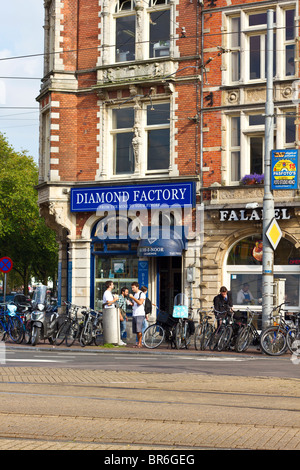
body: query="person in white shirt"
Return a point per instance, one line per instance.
(108, 298)
(138, 311)
(109, 301)
(244, 296)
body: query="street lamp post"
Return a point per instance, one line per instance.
(268, 200)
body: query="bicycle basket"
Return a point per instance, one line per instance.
(162, 317)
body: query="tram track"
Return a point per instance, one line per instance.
(56, 407)
(162, 402)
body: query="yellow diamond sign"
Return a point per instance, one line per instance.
(274, 234)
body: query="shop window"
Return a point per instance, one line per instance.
(244, 267)
(112, 259)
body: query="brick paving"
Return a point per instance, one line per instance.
(52, 408)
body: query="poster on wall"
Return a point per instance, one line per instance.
(284, 169)
(257, 251)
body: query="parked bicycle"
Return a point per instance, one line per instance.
(24, 307)
(248, 334)
(293, 337)
(10, 324)
(220, 324)
(162, 330)
(204, 329)
(185, 327)
(69, 330)
(92, 328)
(273, 340)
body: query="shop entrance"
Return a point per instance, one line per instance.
(169, 277)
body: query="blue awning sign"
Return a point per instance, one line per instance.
(138, 196)
(171, 246)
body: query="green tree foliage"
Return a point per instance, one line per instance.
(24, 236)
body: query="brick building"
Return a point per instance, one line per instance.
(150, 102)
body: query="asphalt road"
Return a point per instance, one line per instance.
(250, 364)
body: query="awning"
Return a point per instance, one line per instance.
(171, 246)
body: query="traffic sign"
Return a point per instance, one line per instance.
(274, 234)
(6, 264)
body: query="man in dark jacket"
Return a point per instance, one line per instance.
(223, 301)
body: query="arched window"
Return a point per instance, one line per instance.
(243, 270)
(125, 5)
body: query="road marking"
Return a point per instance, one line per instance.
(32, 360)
(225, 359)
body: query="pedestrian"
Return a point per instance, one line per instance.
(223, 303)
(109, 301)
(138, 311)
(123, 303)
(147, 307)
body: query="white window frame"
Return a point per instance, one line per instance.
(244, 48)
(231, 269)
(247, 131)
(122, 14)
(142, 33)
(140, 119)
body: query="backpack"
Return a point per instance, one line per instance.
(148, 306)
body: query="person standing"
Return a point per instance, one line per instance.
(138, 311)
(222, 304)
(123, 303)
(108, 298)
(109, 301)
(147, 307)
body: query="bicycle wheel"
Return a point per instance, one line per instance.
(2, 328)
(198, 337)
(273, 341)
(186, 335)
(61, 334)
(178, 335)
(153, 336)
(225, 338)
(293, 341)
(86, 336)
(72, 333)
(98, 335)
(15, 329)
(205, 336)
(27, 333)
(243, 339)
(214, 339)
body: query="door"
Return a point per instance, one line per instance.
(169, 281)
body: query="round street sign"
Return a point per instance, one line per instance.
(6, 264)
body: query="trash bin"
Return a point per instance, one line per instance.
(111, 325)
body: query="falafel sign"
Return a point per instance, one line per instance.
(284, 169)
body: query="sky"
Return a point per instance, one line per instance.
(21, 34)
